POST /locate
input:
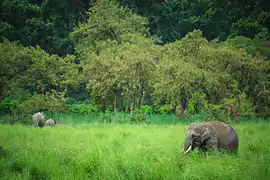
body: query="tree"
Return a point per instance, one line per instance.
(27, 70)
(192, 65)
(44, 23)
(107, 20)
(109, 45)
(139, 54)
(179, 73)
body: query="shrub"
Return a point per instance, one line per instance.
(84, 109)
(146, 109)
(165, 109)
(7, 104)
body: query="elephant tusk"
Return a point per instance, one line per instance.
(182, 150)
(188, 149)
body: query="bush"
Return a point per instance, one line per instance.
(146, 109)
(51, 102)
(84, 109)
(230, 107)
(6, 105)
(165, 109)
(197, 103)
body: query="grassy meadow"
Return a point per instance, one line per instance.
(127, 151)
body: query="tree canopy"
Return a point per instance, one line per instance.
(194, 56)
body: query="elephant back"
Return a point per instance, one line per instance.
(226, 134)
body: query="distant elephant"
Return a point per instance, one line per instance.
(211, 135)
(38, 119)
(51, 122)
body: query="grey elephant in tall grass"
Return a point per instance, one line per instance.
(51, 122)
(211, 135)
(38, 119)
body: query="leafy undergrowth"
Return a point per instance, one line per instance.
(126, 152)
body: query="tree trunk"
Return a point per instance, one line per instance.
(132, 104)
(196, 108)
(127, 108)
(141, 100)
(114, 104)
(142, 92)
(184, 104)
(228, 114)
(133, 92)
(235, 114)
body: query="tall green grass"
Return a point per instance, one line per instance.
(124, 118)
(102, 151)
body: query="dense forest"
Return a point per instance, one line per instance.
(158, 56)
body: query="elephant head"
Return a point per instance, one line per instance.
(210, 135)
(196, 136)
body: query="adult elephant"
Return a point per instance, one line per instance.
(38, 119)
(211, 135)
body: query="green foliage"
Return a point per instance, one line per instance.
(48, 23)
(49, 103)
(180, 69)
(107, 21)
(6, 105)
(114, 64)
(254, 46)
(192, 65)
(191, 108)
(251, 26)
(215, 112)
(26, 70)
(241, 105)
(44, 23)
(119, 59)
(147, 109)
(165, 109)
(52, 102)
(173, 19)
(84, 109)
(14, 59)
(197, 103)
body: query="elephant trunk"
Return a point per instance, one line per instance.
(187, 146)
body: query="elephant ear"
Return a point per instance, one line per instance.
(206, 133)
